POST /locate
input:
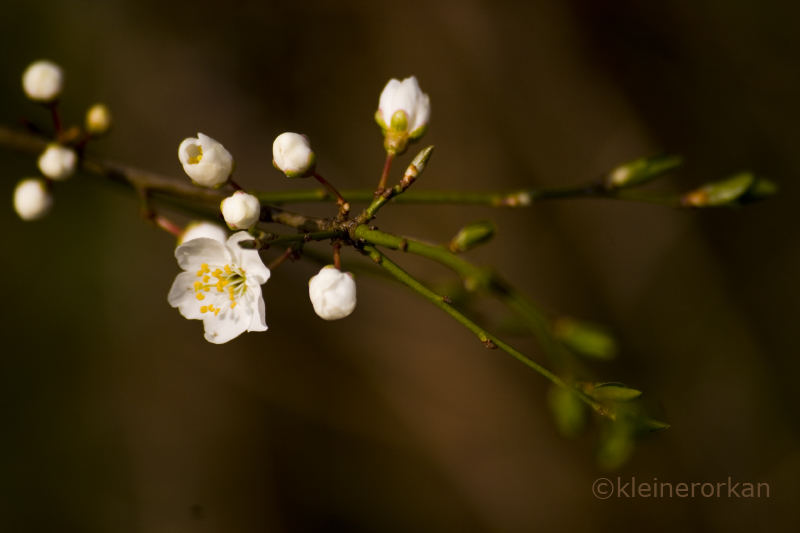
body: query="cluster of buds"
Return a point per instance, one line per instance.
(43, 82)
(208, 163)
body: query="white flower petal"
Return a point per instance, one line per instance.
(182, 296)
(192, 254)
(228, 325)
(259, 320)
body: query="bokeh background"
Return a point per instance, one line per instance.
(117, 416)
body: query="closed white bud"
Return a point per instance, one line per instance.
(403, 113)
(202, 229)
(332, 293)
(292, 155)
(32, 199)
(205, 160)
(241, 210)
(42, 81)
(98, 119)
(58, 162)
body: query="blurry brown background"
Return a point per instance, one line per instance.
(117, 416)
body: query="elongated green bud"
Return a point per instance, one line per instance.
(611, 392)
(471, 236)
(583, 338)
(642, 170)
(739, 189)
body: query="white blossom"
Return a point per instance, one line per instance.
(332, 293)
(292, 155)
(32, 199)
(240, 210)
(205, 160)
(58, 162)
(98, 119)
(404, 108)
(199, 229)
(42, 81)
(220, 285)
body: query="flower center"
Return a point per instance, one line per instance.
(195, 152)
(229, 279)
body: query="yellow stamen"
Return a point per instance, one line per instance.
(193, 160)
(204, 309)
(200, 296)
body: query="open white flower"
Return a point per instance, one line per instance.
(332, 293)
(220, 285)
(42, 81)
(292, 155)
(58, 162)
(32, 200)
(240, 210)
(403, 113)
(199, 229)
(205, 160)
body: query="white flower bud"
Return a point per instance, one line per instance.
(292, 155)
(205, 160)
(32, 200)
(42, 81)
(241, 210)
(98, 119)
(403, 113)
(332, 293)
(58, 162)
(202, 229)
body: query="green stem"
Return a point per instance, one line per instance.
(474, 277)
(269, 240)
(484, 336)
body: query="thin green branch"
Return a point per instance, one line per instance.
(488, 339)
(26, 142)
(474, 277)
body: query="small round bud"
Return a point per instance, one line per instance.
(332, 293)
(98, 119)
(203, 229)
(42, 81)
(292, 155)
(241, 210)
(32, 199)
(205, 160)
(403, 113)
(58, 162)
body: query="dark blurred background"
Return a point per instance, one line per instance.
(118, 416)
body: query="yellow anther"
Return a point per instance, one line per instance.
(211, 307)
(204, 309)
(200, 296)
(233, 305)
(206, 288)
(217, 273)
(228, 269)
(193, 160)
(197, 286)
(206, 279)
(216, 311)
